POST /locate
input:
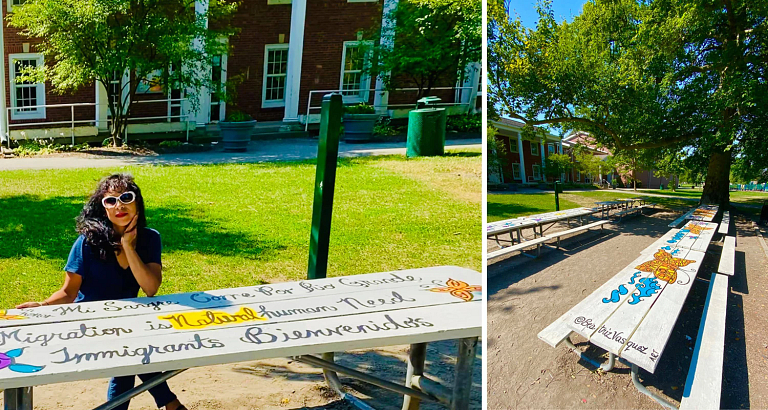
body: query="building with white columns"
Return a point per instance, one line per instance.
(525, 159)
(288, 52)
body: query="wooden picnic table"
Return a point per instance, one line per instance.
(704, 213)
(59, 343)
(535, 221)
(632, 315)
(606, 206)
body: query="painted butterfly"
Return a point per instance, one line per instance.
(664, 266)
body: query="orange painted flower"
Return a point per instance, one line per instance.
(459, 289)
(696, 229)
(664, 266)
(5, 316)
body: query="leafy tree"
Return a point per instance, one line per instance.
(434, 40)
(557, 164)
(87, 41)
(642, 75)
(496, 153)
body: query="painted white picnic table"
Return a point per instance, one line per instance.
(83, 341)
(606, 206)
(704, 213)
(632, 315)
(533, 221)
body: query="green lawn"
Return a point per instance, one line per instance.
(506, 206)
(246, 224)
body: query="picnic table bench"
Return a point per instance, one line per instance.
(65, 343)
(632, 315)
(725, 223)
(541, 241)
(705, 375)
(535, 221)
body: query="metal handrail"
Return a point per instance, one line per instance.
(310, 107)
(72, 120)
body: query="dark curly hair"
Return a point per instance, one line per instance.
(93, 222)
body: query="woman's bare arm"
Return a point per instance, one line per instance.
(67, 293)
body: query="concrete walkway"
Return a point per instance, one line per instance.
(258, 151)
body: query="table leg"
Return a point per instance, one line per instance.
(606, 367)
(416, 358)
(18, 399)
(519, 235)
(642, 389)
(462, 383)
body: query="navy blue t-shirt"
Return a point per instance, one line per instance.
(105, 279)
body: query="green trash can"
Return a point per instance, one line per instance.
(426, 129)
(661, 187)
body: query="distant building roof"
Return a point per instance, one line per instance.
(514, 125)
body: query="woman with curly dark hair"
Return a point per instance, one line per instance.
(115, 255)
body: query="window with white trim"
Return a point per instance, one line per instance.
(513, 146)
(26, 94)
(536, 171)
(515, 170)
(275, 72)
(578, 175)
(354, 81)
(551, 148)
(534, 148)
(15, 3)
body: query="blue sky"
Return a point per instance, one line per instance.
(564, 10)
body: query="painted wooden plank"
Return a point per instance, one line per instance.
(728, 257)
(82, 361)
(556, 332)
(725, 223)
(704, 213)
(586, 316)
(697, 235)
(676, 223)
(616, 333)
(495, 228)
(165, 323)
(694, 235)
(705, 376)
(656, 327)
(239, 296)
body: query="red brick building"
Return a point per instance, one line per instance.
(289, 53)
(525, 160)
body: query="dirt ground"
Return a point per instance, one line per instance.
(525, 295)
(276, 384)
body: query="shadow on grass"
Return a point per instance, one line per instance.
(44, 228)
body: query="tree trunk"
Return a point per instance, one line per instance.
(716, 186)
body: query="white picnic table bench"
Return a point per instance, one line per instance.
(633, 314)
(494, 229)
(65, 343)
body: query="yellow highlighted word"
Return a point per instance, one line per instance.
(204, 318)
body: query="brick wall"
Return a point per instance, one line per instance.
(329, 23)
(14, 45)
(260, 24)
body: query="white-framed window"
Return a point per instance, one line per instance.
(578, 175)
(275, 72)
(536, 171)
(15, 3)
(551, 148)
(534, 148)
(25, 94)
(513, 146)
(515, 170)
(355, 83)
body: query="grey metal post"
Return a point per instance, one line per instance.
(416, 358)
(18, 399)
(462, 384)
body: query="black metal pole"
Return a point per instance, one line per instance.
(325, 182)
